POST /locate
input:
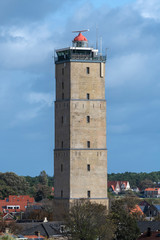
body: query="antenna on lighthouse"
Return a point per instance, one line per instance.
(79, 31)
(101, 46)
(96, 36)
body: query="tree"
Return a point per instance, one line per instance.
(126, 225)
(12, 184)
(39, 215)
(89, 221)
(146, 184)
(134, 178)
(13, 227)
(6, 237)
(43, 179)
(42, 192)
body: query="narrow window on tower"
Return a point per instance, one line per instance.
(88, 167)
(88, 96)
(61, 167)
(62, 85)
(62, 71)
(88, 119)
(62, 120)
(89, 194)
(62, 144)
(88, 144)
(62, 95)
(61, 193)
(87, 70)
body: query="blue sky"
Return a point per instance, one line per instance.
(30, 30)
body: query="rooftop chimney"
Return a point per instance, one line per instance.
(38, 234)
(6, 230)
(149, 233)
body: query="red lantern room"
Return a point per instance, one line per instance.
(80, 41)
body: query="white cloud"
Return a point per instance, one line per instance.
(119, 128)
(25, 46)
(126, 69)
(148, 8)
(28, 114)
(42, 98)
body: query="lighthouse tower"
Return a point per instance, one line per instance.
(80, 155)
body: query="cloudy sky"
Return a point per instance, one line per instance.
(30, 30)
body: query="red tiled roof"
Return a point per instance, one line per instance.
(13, 200)
(112, 187)
(154, 235)
(152, 189)
(114, 183)
(137, 209)
(33, 236)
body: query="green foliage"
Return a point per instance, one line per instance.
(135, 179)
(33, 181)
(42, 192)
(146, 183)
(126, 225)
(12, 184)
(89, 221)
(12, 226)
(7, 237)
(43, 179)
(50, 181)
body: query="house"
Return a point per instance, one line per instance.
(144, 225)
(136, 189)
(153, 211)
(150, 235)
(149, 229)
(118, 186)
(34, 206)
(6, 234)
(14, 203)
(7, 217)
(33, 237)
(144, 205)
(152, 192)
(137, 210)
(45, 229)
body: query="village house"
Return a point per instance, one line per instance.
(144, 205)
(152, 192)
(153, 211)
(118, 186)
(14, 204)
(149, 229)
(7, 217)
(54, 230)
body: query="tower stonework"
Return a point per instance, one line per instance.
(80, 155)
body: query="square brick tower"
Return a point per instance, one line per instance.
(80, 155)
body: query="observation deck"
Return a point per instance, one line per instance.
(79, 54)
